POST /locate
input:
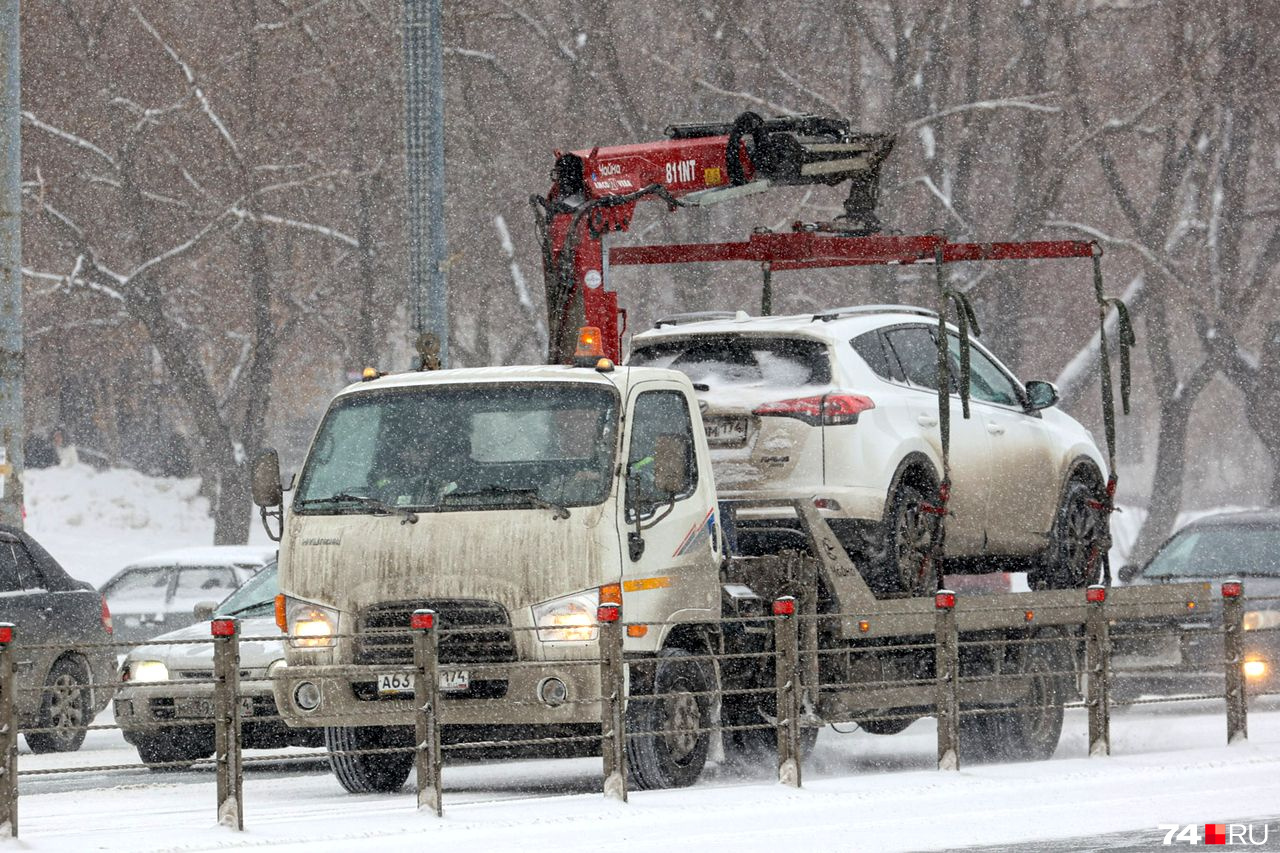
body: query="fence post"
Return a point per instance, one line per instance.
(1233, 646)
(427, 756)
(947, 675)
(786, 643)
(226, 701)
(8, 732)
(613, 722)
(1098, 671)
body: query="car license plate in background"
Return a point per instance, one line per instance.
(725, 432)
(401, 683)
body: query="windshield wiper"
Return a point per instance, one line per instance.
(265, 606)
(530, 495)
(381, 507)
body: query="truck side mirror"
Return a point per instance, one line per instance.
(267, 491)
(203, 611)
(1128, 572)
(1041, 395)
(671, 464)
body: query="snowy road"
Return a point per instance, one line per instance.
(861, 793)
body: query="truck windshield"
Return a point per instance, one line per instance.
(444, 448)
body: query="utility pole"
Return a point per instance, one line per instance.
(11, 430)
(424, 152)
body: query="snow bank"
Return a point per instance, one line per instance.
(96, 522)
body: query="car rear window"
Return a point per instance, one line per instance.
(740, 360)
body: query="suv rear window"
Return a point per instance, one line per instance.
(739, 360)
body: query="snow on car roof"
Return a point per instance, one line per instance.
(210, 555)
(830, 325)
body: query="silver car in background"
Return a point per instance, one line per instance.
(157, 594)
(172, 684)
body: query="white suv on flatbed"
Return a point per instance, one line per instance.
(842, 407)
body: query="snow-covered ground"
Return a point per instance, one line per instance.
(861, 792)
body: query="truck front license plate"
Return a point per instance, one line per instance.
(401, 683)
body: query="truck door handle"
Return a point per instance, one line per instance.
(927, 420)
(995, 429)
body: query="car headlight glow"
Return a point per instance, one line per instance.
(145, 671)
(310, 625)
(567, 620)
(1255, 668)
(1260, 620)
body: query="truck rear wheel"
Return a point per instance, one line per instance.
(1028, 730)
(669, 727)
(382, 772)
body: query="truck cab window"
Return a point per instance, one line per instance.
(658, 413)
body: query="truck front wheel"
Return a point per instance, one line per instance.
(668, 727)
(364, 773)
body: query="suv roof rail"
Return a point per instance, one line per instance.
(851, 310)
(695, 317)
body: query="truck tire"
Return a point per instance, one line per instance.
(1029, 730)
(902, 563)
(164, 747)
(1073, 559)
(669, 732)
(887, 726)
(65, 707)
(368, 774)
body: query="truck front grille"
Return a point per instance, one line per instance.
(473, 632)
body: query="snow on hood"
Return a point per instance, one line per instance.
(254, 653)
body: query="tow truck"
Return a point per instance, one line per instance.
(586, 488)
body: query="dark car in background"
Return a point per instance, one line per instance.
(1242, 546)
(61, 626)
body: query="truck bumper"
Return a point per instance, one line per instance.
(500, 694)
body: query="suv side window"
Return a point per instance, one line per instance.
(871, 348)
(917, 352)
(987, 382)
(658, 413)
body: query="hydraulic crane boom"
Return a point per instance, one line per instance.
(595, 191)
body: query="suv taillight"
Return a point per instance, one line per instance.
(106, 617)
(826, 410)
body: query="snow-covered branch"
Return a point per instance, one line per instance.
(192, 84)
(1024, 102)
(68, 137)
(783, 109)
(518, 280)
(322, 230)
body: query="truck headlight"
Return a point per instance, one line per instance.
(566, 620)
(310, 625)
(1260, 620)
(143, 671)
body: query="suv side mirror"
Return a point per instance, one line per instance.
(203, 611)
(1041, 395)
(1128, 572)
(267, 491)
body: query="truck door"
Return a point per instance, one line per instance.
(670, 562)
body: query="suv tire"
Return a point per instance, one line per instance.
(1073, 558)
(902, 563)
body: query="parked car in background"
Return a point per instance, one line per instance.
(171, 684)
(157, 594)
(841, 407)
(61, 626)
(1237, 545)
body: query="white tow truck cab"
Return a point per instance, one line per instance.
(502, 498)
